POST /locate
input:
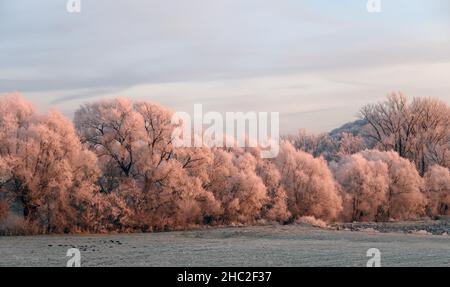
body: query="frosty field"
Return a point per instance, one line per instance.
(292, 245)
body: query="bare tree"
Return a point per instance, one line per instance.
(418, 131)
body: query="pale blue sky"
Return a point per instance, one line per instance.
(316, 62)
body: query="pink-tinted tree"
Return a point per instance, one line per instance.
(161, 186)
(45, 170)
(437, 188)
(234, 182)
(404, 199)
(417, 130)
(276, 208)
(365, 185)
(309, 184)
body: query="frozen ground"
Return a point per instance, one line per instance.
(291, 245)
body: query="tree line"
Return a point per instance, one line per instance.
(114, 169)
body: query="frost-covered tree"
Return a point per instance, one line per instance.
(417, 130)
(365, 185)
(404, 198)
(437, 187)
(114, 131)
(46, 174)
(234, 182)
(348, 144)
(317, 145)
(276, 208)
(331, 148)
(431, 142)
(309, 184)
(162, 187)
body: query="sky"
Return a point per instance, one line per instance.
(314, 61)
